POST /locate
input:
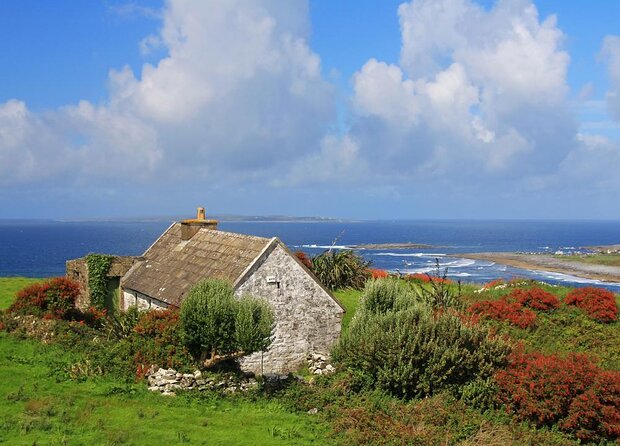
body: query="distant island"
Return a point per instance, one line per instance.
(171, 218)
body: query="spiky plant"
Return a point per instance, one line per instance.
(341, 269)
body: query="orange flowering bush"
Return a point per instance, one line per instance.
(572, 392)
(598, 303)
(504, 310)
(376, 273)
(158, 340)
(535, 298)
(304, 258)
(427, 278)
(52, 299)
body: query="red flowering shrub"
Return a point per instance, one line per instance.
(504, 310)
(572, 392)
(62, 293)
(94, 317)
(493, 284)
(29, 300)
(427, 278)
(53, 299)
(304, 258)
(159, 341)
(535, 298)
(598, 303)
(378, 273)
(161, 323)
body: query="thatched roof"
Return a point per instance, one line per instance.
(172, 266)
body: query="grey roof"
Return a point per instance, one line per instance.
(172, 266)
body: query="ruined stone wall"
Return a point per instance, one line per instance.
(77, 270)
(308, 320)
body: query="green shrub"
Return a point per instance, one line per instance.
(414, 349)
(253, 324)
(382, 295)
(341, 269)
(216, 326)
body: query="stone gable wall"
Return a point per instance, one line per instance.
(308, 320)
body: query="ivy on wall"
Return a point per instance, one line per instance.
(98, 268)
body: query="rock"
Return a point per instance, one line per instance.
(313, 411)
(197, 374)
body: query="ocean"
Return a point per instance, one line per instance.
(40, 248)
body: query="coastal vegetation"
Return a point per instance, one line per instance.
(464, 378)
(340, 269)
(594, 259)
(217, 327)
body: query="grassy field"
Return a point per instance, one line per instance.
(41, 405)
(349, 300)
(9, 286)
(596, 259)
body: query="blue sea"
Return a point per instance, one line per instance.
(40, 248)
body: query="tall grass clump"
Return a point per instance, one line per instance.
(403, 345)
(341, 269)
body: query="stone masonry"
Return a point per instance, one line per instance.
(308, 320)
(77, 270)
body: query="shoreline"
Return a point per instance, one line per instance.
(377, 246)
(549, 263)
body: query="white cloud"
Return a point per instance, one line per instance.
(475, 90)
(611, 55)
(475, 109)
(239, 93)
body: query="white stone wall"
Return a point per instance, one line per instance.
(142, 301)
(308, 320)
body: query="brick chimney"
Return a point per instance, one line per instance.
(190, 227)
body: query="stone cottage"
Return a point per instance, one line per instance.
(308, 317)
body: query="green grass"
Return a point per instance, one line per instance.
(10, 285)
(40, 405)
(349, 300)
(596, 259)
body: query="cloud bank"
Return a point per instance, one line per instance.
(476, 111)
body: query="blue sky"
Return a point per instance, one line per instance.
(432, 109)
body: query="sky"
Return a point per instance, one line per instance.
(424, 109)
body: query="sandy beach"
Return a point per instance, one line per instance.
(544, 262)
